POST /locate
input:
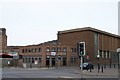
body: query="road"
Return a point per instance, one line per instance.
(39, 73)
(65, 72)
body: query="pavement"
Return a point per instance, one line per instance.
(106, 72)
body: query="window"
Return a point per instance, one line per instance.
(71, 50)
(48, 49)
(100, 53)
(39, 60)
(104, 54)
(53, 49)
(108, 54)
(32, 60)
(26, 50)
(35, 49)
(58, 49)
(75, 50)
(26, 60)
(95, 44)
(39, 50)
(64, 49)
(32, 50)
(35, 58)
(73, 59)
(29, 60)
(22, 50)
(29, 50)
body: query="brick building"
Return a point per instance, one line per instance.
(48, 54)
(97, 42)
(63, 51)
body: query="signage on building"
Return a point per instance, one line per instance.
(53, 53)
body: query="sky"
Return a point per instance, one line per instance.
(30, 22)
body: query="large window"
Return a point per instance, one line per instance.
(35, 49)
(32, 60)
(39, 60)
(39, 50)
(26, 60)
(29, 60)
(104, 54)
(64, 49)
(100, 53)
(26, 50)
(96, 44)
(53, 49)
(29, 50)
(32, 50)
(73, 60)
(108, 54)
(58, 49)
(22, 50)
(23, 60)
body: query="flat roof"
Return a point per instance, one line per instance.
(87, 29)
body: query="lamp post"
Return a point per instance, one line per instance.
(98, 56)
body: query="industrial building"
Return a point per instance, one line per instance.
(63, 51)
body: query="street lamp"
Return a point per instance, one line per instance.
(98, 56)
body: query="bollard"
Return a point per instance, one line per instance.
(102, 69)
(98, 68)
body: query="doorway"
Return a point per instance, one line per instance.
(47, 62)
(53, 62)
(64, 61)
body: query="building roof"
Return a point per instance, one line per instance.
(87, 29)
(45, 43)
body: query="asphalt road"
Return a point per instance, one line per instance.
(39, 73)
(66, 72)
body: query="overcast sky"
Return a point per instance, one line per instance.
(35, 21)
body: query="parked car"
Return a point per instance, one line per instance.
(87, 66)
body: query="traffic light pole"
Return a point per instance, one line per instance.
(81, 65)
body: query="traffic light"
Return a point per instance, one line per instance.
(81, 48)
